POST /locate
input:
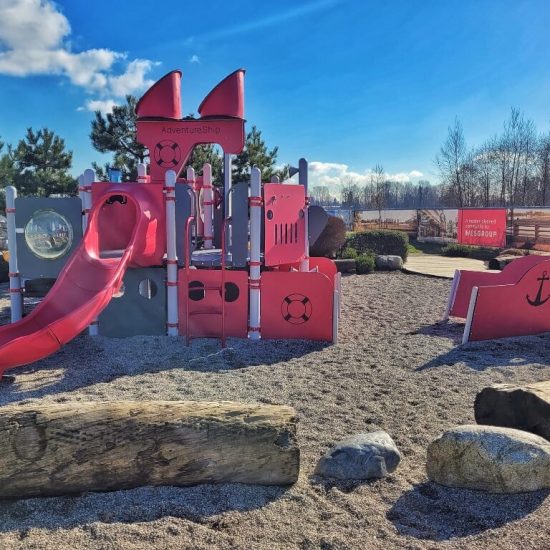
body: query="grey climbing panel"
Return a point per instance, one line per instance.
(140, 307)
(48, 231)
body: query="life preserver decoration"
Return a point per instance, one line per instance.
(296, 309)
(167, 153)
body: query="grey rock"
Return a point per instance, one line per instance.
(525, 407)
(391, 263)
(488, 458)
(345, 265)
(362, 456)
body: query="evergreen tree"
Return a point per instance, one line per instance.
(7, 174)
(256, 153)
(208, 153)
(40, 165)
(116, 133)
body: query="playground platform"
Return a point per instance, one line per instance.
(434, 265)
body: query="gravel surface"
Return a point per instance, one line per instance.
(394, 369)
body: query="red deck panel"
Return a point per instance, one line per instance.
(284, 223)
(296, 305)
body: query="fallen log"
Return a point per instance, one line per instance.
(62, 448)
(524, 407)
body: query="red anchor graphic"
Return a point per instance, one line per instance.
(537, 301)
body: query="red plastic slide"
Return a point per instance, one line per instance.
(82, 291)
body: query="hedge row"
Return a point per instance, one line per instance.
(384, 242)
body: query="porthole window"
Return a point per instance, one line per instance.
(231, 292)
(48, 234)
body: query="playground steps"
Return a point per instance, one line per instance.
(192, 309)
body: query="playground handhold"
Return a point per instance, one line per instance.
(63, 448)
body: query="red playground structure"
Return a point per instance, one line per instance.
(513, 302)
(235, 262)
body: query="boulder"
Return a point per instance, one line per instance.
(345, 265)
(362, 456)
(525, 407)
(390, 263)
(488, 458)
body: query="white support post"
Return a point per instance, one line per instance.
(88, 178)
(142, 172)
(227, 210)
(227, 183)
(275, 179)
(254, 264)
(171, 257)
(452, 294)
(208, 206)
(16, 293)
(303, 180)
(190, 178)
(82, 195)
(339, 287)
(470, 317)
(335, 316)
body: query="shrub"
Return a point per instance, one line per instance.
(456, 250)
(383, 242)
(331, 239)
(365, 263)
(348, 253)
(513, 252)
(464, 251)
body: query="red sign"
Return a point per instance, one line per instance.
(482, 227)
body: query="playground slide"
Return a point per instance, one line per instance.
(82, 291)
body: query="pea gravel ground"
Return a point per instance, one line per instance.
(394, 368)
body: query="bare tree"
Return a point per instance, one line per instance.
(543, 167)
(450, 161)
(378, 180)
(350, 194)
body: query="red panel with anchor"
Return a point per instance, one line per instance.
(296, 305)
(512, 273)
(513, 310)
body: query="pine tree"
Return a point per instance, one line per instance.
(255, 153)
(40, 165)
(116, 133)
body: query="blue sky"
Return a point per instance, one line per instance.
(345, 83)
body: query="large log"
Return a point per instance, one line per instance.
(52, 449)
(524, 407)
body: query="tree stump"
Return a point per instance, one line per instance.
(53, 449)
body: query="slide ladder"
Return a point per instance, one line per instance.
(192, 310)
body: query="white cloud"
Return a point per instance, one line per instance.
(194, 59)
(105, 106)
(34, 40)
(334, 175)
(133, 79)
